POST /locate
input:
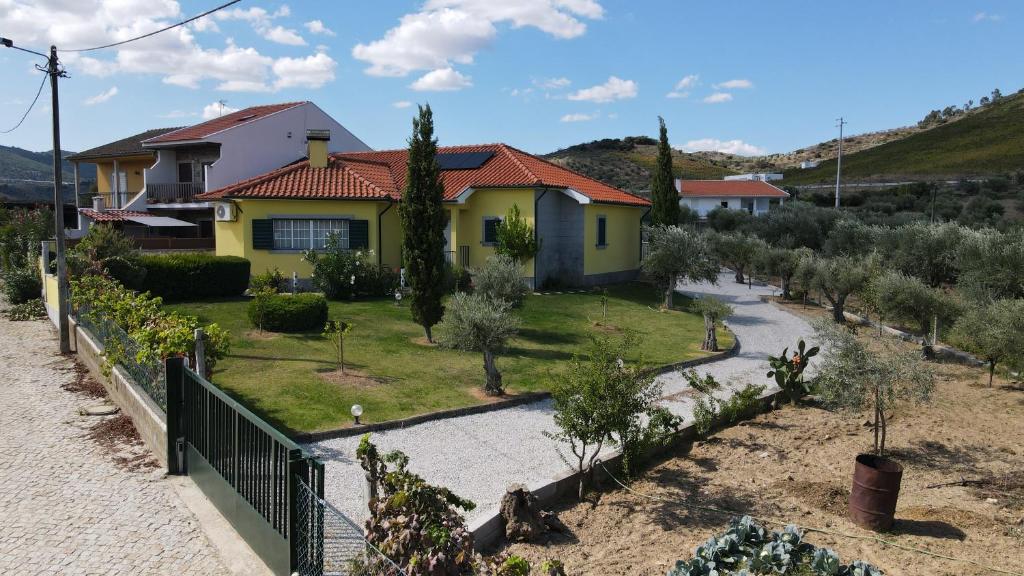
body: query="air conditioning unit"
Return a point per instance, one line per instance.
(225, 212)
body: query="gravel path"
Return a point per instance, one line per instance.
(478, 456)
(65, 506)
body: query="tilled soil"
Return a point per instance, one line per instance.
(796, 464)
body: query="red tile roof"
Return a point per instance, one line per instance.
(381, 175)
(210, 127)
(111, 215)
(730, 188)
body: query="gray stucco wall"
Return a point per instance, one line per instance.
(560, 229)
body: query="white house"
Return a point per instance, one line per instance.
(754, 196)
(807, 164)
(762, 176)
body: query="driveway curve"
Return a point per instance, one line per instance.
(478, 456)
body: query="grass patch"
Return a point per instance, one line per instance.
(281, 376)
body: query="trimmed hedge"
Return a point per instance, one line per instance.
(193, 276)
(289, 312)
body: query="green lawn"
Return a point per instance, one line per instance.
(281, 376)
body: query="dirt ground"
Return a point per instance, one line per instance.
(796, 463)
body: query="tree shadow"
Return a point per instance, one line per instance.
(547, 336)
(928, 529)
(935, 455)
(283, 359)
(539, 354)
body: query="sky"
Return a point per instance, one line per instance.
(749, 77)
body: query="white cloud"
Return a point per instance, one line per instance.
(283, 35)
(176, 56)
(614, 89)
(216, 109)
(552, 83)
(579, 117)
(986, 17)
(317, 27)
(402, 104)
(101, 97)
(262, 22)
(441, 80)
(727, 146)
(718, 98)
(682, 88)
(738, 83)
(448, 32)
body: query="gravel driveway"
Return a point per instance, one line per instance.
(478, 456)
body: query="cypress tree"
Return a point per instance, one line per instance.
(423, 222)
(664, 198)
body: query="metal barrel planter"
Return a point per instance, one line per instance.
(876, 487)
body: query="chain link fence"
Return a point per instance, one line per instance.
(149, 375)
(344, 551)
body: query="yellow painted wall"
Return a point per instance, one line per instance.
(486, 203)
(235, 238)
(622, 236)
(134, 168)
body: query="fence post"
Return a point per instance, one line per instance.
(174, 380)
(298, 471)
(200, 353)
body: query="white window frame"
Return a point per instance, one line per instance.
(299, 234)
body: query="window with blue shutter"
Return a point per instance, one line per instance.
(602, 231)
(491, 230)
(263, 234)
(358, 234)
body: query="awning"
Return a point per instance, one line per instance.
(159, 221)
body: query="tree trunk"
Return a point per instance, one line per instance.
(838, 305)
(884, 428)
(493, 385)
(669, 292)
(739, 275)
(991, 371)
(427, 332)
(710, 343)
(876, 422)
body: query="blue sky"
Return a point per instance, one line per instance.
(743, 76)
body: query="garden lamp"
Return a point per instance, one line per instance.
(398, 297)
(357, 411)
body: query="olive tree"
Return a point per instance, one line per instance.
(478, 323)
(836, 279)
(925, 251)
(854, 377)
(896, 296)
(713, 310)
(782, 263)
(676, 254)
(991, 265)
(994, 331)
(739, 252)
(499, 279)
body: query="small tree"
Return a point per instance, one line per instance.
(853, 377)
(516, 238)
(476, 322)
(678, 254)
(837, 278)
(739, 252)
(781, 262)
(906, 299)
(664, 197)
(423, 223)
(260, 302)
(713, 310)
(499, 279)
(335, 331)
(995, 332)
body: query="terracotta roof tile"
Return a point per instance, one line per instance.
(381, 175)
(204, 129)
(111, 215)
(717, 188)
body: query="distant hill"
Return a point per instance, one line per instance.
(984, 142)
(627, 162)
(26, 176)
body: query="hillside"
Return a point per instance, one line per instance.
(985, 142)
(26, 176)
(627, 163)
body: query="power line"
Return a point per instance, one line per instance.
(30, 106)
(155, 32)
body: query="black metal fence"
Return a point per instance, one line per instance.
(120, 347)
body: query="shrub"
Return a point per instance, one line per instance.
(30, 310)
(459, 279)
(709, 411)
(194, 276)
(343, 274)
(289, 312)
(22, 284)
(271, 279)
(499, 280)
(21, 231)
(516, 238)
(105, 250)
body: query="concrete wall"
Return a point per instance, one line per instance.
(560, 229)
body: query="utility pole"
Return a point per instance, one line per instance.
(839, 162)
(54, 70)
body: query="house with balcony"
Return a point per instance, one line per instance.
(161, 173)
(589, 231)
(753, 196)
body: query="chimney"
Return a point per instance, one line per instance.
(97, 203)
(316, 142)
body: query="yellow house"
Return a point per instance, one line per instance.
(589, 231)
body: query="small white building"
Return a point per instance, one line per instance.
(763, 177)
(807, 164)
(754, 196)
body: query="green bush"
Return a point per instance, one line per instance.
(271, 279)
(22, 284)
(344, 274)
(105, 250)
(30, 310)
(194, 276)
(289, 312)
(459, 279)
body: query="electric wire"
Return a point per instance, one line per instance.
(155, 32)
(30, 107)
(781, 522)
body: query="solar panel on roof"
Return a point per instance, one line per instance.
(463, 160)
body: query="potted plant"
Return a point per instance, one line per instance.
(855, 376)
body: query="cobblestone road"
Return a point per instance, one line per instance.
(65, 507)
